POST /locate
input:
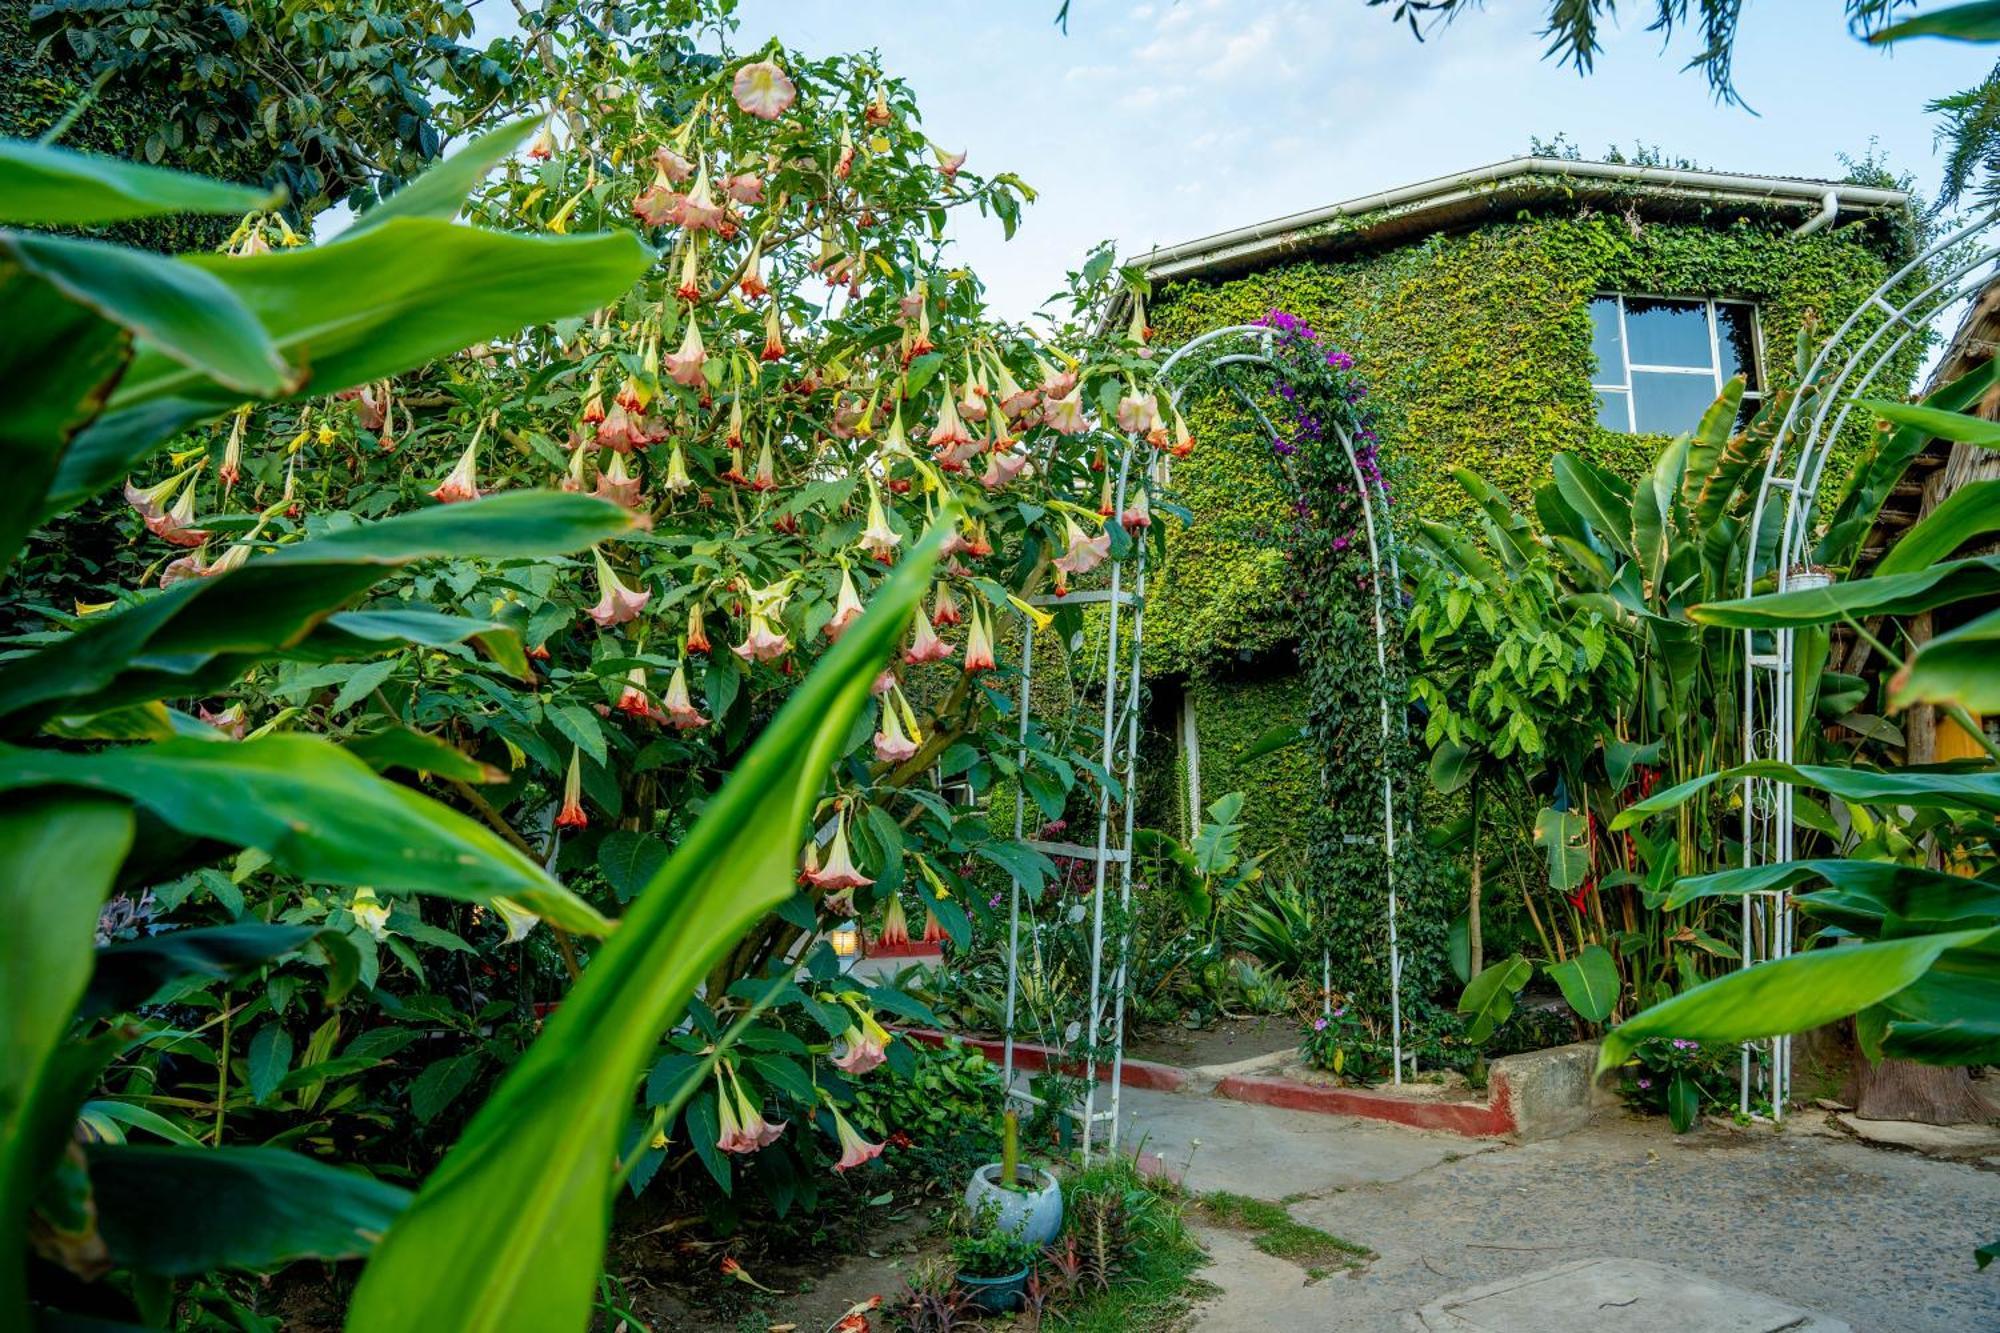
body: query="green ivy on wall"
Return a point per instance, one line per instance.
(1479, 346)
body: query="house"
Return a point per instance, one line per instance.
(1502, 315)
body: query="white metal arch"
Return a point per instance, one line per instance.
(1847, 364)
(1254, 345)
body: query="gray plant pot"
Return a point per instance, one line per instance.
(996, 1295)
(1035, 1210)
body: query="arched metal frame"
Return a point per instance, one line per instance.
(1254, 345)
(1841, 373)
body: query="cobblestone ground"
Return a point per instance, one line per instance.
(1879, 1238)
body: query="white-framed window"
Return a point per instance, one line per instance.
(1662, 360)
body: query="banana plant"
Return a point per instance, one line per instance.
(108, 352)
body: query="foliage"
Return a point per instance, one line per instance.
(982, 1249)
(1341, 1043)
(1276, 1232)
(942, 1108)
(1679, 1079)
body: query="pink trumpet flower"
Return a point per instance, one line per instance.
(1065, 415)
(839, 872)
(925, 645)
(762, 89)
(950, 432)
(1002, 468)
(659, 202)
(948, 163)
(571, 815)
(632, 700)
(934, 932)
(893, 745)
(697, 210)
(895, 926)
(1055, 383)
(744, 189)
(671, 164)
(573, 479)
(679, 706)
(176, 525)
(684, 367)
(463, 482)
(750, 1117)
(1084, 552)
(854, 1150)
(761, 643)
(944, 607)
(979, 644)
(1137, 412)
(732, 1137)
(1138, 512)
(617, 603)
(846, 607)
(878, 538)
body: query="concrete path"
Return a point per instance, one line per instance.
(1807, 1218)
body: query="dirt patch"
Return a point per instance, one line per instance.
(1431, 1086)
(1221, 1043)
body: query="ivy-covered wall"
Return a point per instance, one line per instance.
(1477, 347)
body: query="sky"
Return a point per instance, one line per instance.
(1158, 121)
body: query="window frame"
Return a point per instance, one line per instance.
(1714, 368)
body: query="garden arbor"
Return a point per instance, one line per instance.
(1219, 353)
(1840, 376)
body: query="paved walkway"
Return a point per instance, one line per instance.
(1878, 1238)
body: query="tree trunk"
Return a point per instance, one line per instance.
(1474, 944)
(1927, 1094)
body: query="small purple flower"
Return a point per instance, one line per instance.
(1319, 1024)
(1645, 1083)
(1340, 1012)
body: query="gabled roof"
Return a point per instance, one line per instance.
(1499, 191)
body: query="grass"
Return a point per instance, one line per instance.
(1155, 1286)
(1277, 1233)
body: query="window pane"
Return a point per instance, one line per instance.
(1670, 404)
(1611, 411)
(1667, 333)
(1736, 340)
(1606, 342)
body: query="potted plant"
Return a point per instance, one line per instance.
(993, 1262)
(1024, 1199)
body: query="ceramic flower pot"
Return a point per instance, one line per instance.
(996, 1295)
(1034, 1209)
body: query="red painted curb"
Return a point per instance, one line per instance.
(1496, 1117)
(914, 949)
(1029, 1055)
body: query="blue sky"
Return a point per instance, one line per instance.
(1156, 121)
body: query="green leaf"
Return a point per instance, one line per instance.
(1936, 423)
(1789, 995)
(1892, 594)
(177, 1213)
(528, 1186)
(1488, 998)
(579, 725)
(42, 185)
(1973, 510)
(400, 747)
(1924, 788)
(316, 810)
(1589, 981)
(629, 861)
(128, 973)
(59, 854)
(1452, 766)
(400, 294)
(1563, 836)
(1683, 1102)
(1864, 894)
(202, 634)
(1601, 499)
(1953, 668)
(269, 1058)
(1281, 737)
(440, 192)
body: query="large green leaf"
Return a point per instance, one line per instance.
(401, 293)
(1909, 892)
(1599, 498)
(202, 633)
(129, 972)
(1892, 594)
(1937, 423)
(1653, 504)
(1589, 981)
(177, 1212)
(316, 810)
(42, 185)
(1789, 995)
(58, 856)
(1973, 510)
(1921, 787)
(1976, 22)
(1951, 1014)
(440, 192)
(509, 1231)
(1563, 836)
(1488, 999)
(192, 318)
(1954, 668)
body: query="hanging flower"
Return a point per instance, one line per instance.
(950, 432)
(911, 302)
(632, 700)
(231, 721)
(893, 744)
(1015, 401)
(944, 606)
(854, 1150)
(1084, 552)
(925, 645)
(1138, 512)
(846, 607)
(839, 872)
(1183, 442)
(976, 543)
(761, 643)
(1136, 412)
(669, 163)
(689, 287)
(543, 145)
(933, 928)
(1002, 469)
(617, 603)
(732, 1138)
(762, 89)
(657, 204)
(761, 1132)
(844, 164)
(979, 644)
(895, 926)
(573, 477)
(679, 706)
(697, 636)
(593, 401)
(176, 526)
(370, 913)
(878, 538)
(746, 188)
(684, 367)
(948, 163)
(697, 210)
(766, 476)
(752, 284)
(1065, 414)
(677, 472)
(231, 469)
(1106, 506)
(622, 430)
(774, 338)
(463, 481)
(571, 815)
(1056, 383)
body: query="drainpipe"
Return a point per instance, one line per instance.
(1829, 209)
